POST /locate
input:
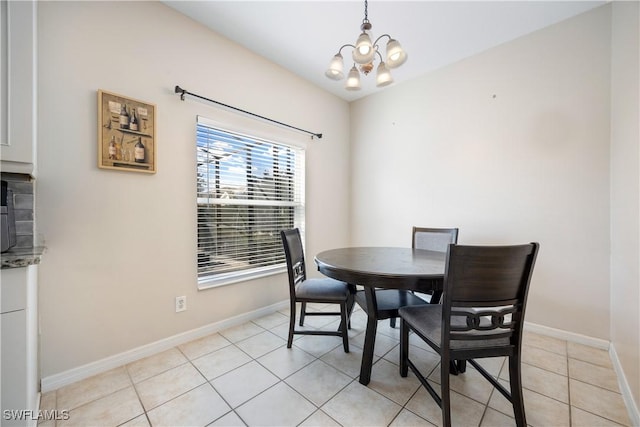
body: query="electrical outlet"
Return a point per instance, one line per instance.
(181, 304)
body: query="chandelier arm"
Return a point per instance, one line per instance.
(343, 46)
(378, 39)
(379, 54)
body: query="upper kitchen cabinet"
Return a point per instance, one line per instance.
(18, 86)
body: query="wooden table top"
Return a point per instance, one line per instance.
(387, 267)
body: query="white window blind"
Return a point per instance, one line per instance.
(248, 189)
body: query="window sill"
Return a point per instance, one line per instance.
(231, 278)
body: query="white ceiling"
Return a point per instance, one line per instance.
(303, 36)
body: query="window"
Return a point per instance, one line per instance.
(248, 189)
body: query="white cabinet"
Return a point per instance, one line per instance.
(18, 88)
(19, 346)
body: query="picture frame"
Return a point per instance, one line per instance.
(126, 133)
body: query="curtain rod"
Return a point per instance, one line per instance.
(184, 92)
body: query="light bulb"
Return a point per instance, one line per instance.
(336, 66)
(363, 52)
(383, 76)
(353, 79)
(396, 56)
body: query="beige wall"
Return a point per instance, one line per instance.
(512, 146)
(122, 246)
(625, 192)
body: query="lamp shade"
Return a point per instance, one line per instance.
(353, 79)
(396, 56)
(336, 67)
(383, 76)
(363, 52)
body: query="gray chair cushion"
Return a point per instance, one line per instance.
(432, 241)
(389, 300)
(322, 288)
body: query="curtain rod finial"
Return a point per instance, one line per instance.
(181, 91)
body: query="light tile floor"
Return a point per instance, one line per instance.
(245, 375)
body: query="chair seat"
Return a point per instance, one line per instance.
(322, 289)
(389, 300)
(427, 321)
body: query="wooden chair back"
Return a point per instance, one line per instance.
(294, 254)
(485, 292)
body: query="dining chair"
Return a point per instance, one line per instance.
(431, 239)
(482, 315)
(314, 290)
(434, 239)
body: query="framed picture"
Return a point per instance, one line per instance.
(126, 133)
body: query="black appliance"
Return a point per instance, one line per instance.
(8, 230)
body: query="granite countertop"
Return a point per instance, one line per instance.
(22, 257)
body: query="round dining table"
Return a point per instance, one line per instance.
(382, 267)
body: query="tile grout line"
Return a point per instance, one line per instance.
(281, 381)
(252, 359)
(318, 358)
(486, 407)
(135, 389)
(97, 398)
(207, 381)
(566, 344)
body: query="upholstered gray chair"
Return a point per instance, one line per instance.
(482, 315)
(319, 290)
(431, 239)
(434, 239)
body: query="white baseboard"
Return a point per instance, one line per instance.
(61, 379)
(566, 335)
(625, 390)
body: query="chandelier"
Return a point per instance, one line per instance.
(364, 54)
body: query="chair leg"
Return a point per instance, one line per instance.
(444, 392)
(349, 307)
(351, 302)
(517, 399)
(404, 348)
(292, 324)
(435, 297)
(392, 322)
(303, 311)
(457, 367)
(343, 325)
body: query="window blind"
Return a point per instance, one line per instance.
(248, 189)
